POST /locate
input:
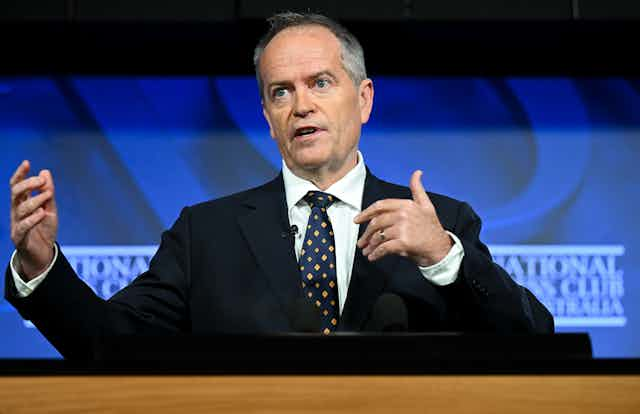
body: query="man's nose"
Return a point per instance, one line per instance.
(303, 104)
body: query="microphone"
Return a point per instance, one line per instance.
(293, 230)
(389, 314)
(304, 317)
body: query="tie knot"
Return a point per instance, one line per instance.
(319, 199)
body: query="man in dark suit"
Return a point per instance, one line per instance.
(325, 229)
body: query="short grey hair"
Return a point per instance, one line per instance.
(352, 53)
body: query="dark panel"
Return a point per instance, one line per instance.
(41, 9)
(156, 9)
(338, 9)
(609, 9)
(477, 48)
(492, 9)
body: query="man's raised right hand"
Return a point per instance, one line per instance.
(34, 220)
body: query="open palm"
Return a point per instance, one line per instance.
(34, 219)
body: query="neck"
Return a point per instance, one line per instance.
(324, 177)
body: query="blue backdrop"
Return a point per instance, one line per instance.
(550, 164)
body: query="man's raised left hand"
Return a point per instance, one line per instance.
(409, 228)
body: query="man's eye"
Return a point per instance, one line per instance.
(322, 83)
(279, 92)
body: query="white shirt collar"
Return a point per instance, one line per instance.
(348, 189)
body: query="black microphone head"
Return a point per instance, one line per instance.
(389, 314)
(304, 317)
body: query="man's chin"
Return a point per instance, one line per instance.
(312, 165)
(310, 162)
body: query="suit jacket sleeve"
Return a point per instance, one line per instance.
(71, 316)
(484, 297)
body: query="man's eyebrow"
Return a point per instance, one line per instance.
(322, 73)
(277, 83)
(315, 75)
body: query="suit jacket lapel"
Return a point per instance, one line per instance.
(265, 227)
(368, 279)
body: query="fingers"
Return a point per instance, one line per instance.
(29, 206)
(394, 224)
(393, 246)
(22, 189)
(47, 178)
(20, 173)
(376, 224)
(50, 205)
(417, 189)
(379, 207)
(378, 238)
(21, 228)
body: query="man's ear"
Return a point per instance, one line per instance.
(266, 116)
(365, 99)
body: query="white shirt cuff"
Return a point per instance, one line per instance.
(26, 288)
(446, 270)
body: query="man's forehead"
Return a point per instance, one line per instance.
(312, 48)
(305, 33)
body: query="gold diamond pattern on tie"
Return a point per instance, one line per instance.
(317, 261)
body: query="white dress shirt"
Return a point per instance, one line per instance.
(349, 190)
(25, 288)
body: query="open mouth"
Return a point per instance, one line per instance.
(306, 132)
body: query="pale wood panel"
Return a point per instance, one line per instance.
(320, 394)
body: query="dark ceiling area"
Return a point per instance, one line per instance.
(229, 10)
(401, 37)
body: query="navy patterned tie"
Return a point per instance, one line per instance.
(318, 261)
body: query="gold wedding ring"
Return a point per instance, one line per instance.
(382, 236)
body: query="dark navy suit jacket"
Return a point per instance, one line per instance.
(225, 267)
